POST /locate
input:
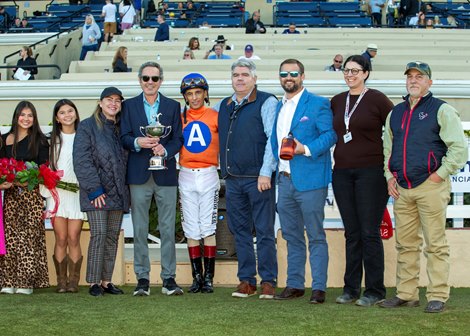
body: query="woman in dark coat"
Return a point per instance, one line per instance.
(100, 165)
(26, 61)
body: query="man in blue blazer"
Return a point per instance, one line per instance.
(303, 180)
(139, 111)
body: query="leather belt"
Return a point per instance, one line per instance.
(284, 173)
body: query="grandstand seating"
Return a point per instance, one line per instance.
(319, 14)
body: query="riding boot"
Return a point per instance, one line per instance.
(209, 266)
(74, 275)
(61, 271)
(196, 268)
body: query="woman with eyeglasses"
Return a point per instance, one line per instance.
(188, 54)
(359, 184)
(99, 161)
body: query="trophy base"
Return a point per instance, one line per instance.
(157, 168)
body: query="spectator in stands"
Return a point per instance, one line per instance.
(69, 219)
(188, 54)
(303, 180)
(419, 182)
(198, 179)
(376, 12)
(418, 20)
(24, 266)
(109, 14)
(408, 9)
(247, 165)
(392, 13)
(5, 20)
(221, 40)
(249, 53)
(91, 36)
(370, 53)
(359, 186)
(451, 21)
(145, 109)
(163, 30)
(218, 50)
(430, 24)
(127, 13)
(337, 64)
(17, 23)
(291, 30)
(120, 60)
(254, 25)
(27, 62)
(99, 161)
(163, 10)
(25, 23)
(194, 43)
(437, 21)
(151, 9)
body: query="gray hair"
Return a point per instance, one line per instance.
(150, 64)
(244, 63)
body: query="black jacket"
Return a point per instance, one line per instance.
(29, 61)
(99, 161)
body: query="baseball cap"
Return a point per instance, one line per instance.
(248, 47)
(372, 46)
(423, 68)
(109, 91)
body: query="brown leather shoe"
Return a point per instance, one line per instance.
(396, 302)
(290, 293)
(318, 296)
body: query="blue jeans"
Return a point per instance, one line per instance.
(361, 195)
(247, 208)
(299, 211)
(87, 48)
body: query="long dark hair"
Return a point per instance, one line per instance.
(56, 137)
(36, 137)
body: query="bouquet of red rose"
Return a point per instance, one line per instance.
(9, 168)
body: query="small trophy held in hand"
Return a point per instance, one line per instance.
(154, 130)
(287, 147)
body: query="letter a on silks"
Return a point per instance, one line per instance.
(386, 227)
(197, 137)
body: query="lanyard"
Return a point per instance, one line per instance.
(347, 114)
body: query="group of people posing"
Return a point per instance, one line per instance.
(259, 142)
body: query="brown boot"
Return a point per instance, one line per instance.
(61, 271)
(74, 275)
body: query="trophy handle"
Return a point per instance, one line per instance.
(167, 132)
(142, 131)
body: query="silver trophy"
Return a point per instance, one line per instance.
(156, 129)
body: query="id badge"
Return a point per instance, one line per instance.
(347, 137)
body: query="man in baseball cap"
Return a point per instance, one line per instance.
(370, 53)
(423, 68)
(249, 53)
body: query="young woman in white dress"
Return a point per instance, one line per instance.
(68, 220)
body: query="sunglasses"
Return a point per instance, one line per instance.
(284, 74)
(336, 61)
(421, 67)
(154, 78)
(192, 82)
(353, 71)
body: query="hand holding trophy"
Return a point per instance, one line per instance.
(156, 130)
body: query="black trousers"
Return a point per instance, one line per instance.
(361, 195)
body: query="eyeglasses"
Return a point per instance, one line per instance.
(284, 74)
(191, 82)
(338, 61)
(154, 78)
(353, 71)
(420, 66)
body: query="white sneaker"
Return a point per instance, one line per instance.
(8, 290)
(26, 291)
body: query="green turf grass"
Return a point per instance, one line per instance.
(48, 313)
